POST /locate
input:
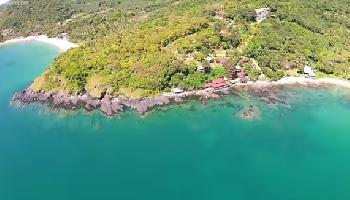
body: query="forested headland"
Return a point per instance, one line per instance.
(142, 48)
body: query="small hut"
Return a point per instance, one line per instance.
(177, 90)
(309, 72)
(204, 67)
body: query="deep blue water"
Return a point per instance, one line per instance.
(192, 151)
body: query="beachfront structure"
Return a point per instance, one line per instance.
(309, 72)
(217, 84)
(177, 90)
(237, 72)
(261, 14)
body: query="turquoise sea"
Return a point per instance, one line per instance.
(196, 151)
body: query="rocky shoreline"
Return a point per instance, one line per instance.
(265, 91)
(107, 105)
(115, 105)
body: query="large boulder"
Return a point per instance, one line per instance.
(106, 106)
(116, 105)
(90, 103)
(250, 113)
(74, 99)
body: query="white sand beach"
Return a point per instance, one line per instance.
(283, 81)
(3, 1)
(62, 44)
(319, 81)
(297, 81)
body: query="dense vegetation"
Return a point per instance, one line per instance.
(83, 20)
(155, 46)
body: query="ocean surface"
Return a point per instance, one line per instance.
(195, 151)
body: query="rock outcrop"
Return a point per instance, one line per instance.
(107, 105)
(250, 113)
(115, 105)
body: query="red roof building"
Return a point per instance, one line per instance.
(219, 80)
(216, 84)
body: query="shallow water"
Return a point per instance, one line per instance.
(193, 151)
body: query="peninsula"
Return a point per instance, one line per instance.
(158, 51)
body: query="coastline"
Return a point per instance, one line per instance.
(62, 44)
(115, 105)
(268, 84)
(320, 81)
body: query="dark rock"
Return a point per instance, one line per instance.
(116, 106)
(142, 106)
(91, 103)
(178, 99)
(106, 106)
(74, 99)
(250, 113)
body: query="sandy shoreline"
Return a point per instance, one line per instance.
(262, 84)
(62, 44)
(320, 81)
(301, 80)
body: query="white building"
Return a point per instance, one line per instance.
(177, 90)
(309, 72)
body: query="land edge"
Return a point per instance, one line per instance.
(115, 105)
(63, 45)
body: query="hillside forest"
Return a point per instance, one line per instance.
(143, 48)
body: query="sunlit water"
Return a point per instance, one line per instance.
(201, 151)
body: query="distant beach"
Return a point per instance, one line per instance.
(261, 84)
(62, 44)
(319, 81)
(301, 81)
(3, 1)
